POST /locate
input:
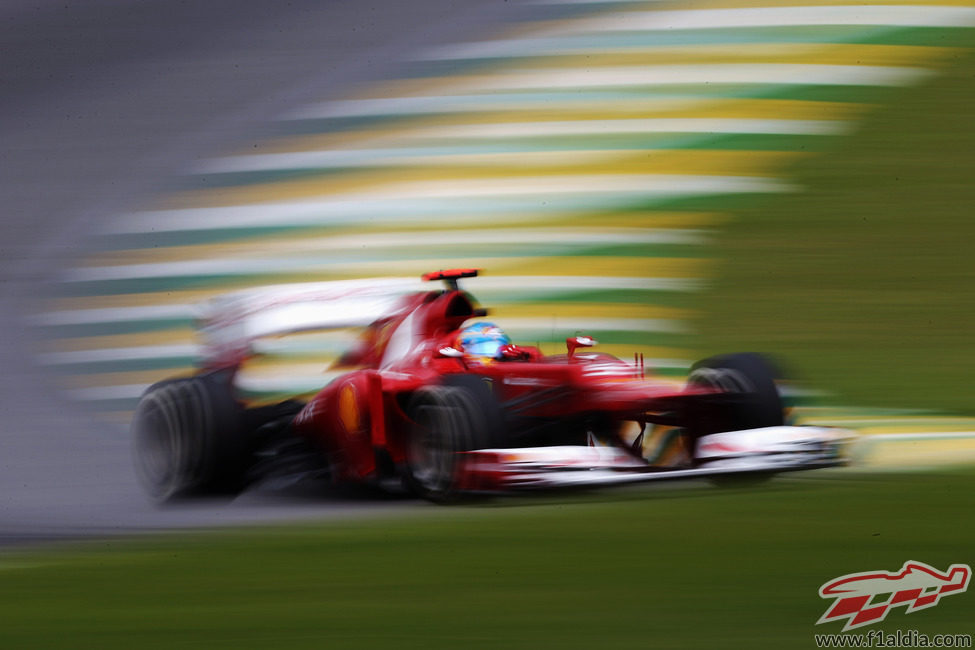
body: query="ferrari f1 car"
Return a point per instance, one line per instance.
(437, 400)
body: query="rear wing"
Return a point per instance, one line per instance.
(228, 324)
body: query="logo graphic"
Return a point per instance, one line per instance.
(865, 598)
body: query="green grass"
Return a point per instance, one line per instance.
(865, 281)
(669, 566)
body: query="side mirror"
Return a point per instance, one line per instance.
(573, 343)
(449, 352)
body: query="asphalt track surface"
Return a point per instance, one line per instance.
(100, 102)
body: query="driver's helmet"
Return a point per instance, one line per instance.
(483, 341)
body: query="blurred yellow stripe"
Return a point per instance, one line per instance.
(821, 54)
(562, 309)
(133, 378)
(310, 364)
(908, 427)
(380, 135)
(501, 266)
(133, 299)
(916, 453)
(672, 161)
(307, 245)
(157, 337)
(644, 219)
(703, 108)
(656, 267)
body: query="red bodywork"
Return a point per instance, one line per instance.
(360, 420)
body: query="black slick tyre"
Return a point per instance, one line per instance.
(750, 400)
(751, 397)
(457, 416)
(187, 439)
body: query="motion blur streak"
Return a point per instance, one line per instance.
(585, 120)
(463, 120)
(102, 101)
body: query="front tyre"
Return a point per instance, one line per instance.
(458, 416)
(749, 400)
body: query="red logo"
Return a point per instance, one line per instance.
(865, 598)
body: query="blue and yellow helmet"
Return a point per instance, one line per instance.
(482, 340)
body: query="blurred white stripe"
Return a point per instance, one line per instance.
(635, 21)
(114, 314)
(549, 238)
(822, 15)
(325, 159)
(907, 437)
(592, 2)
(685, 74)
(408, 201)
(287, 382)
(465, 97)
(101, 393)
(636, 126)
(271, 265)
(514, 285)
(495, 102)
(120, 354)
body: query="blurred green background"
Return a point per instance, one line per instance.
(865, 279)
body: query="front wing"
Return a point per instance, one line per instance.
(766, 450)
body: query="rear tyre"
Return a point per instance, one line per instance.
(187, 439)
(457, 416)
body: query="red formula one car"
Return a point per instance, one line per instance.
(446, 404)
